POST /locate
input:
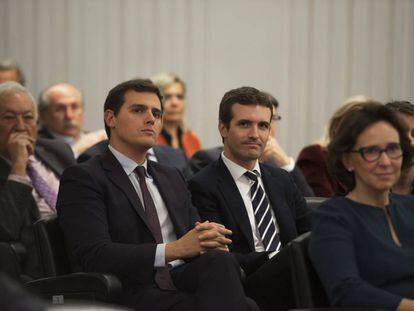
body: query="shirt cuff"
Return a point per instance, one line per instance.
(290, 166)
(160, 256)
(20, 179)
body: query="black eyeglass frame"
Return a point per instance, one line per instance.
(362, 151)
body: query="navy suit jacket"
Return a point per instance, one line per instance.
(217, 198)
(18, 209)
(104, 223)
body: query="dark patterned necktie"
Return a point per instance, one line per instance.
(41, 186)
(263, 215)
(162, 275)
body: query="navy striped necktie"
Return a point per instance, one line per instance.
(263, 215)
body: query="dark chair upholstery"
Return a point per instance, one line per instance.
(11, 257)
(314, 202)
(308, 292)
(59, 284)
(307, 288)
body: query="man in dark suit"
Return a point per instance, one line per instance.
(273, 154)
(162, 154)
(22, 202)
(125, 215)
(259, 203)
(60, 109)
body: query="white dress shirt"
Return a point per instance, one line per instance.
(244, 184)
(167, 228)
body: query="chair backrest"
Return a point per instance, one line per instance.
(51, 244)
(314, 202)
(307, 288)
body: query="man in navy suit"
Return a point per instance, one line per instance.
(132, 217)
(258, 202)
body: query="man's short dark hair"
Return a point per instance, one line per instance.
(245, 95)
(116, 96)
(354, 122)
(401, 106)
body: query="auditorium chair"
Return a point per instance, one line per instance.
(308, 292)
(307, 288)
(60, 284)
(314, 202)
(12, 256)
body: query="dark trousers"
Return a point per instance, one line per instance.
(211, 281)
(270, 285)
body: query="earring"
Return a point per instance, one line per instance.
(350, 169)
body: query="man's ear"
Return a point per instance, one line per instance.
(110, 118)
(222, 129)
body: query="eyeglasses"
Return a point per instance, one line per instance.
(276, 117)
(373, 153)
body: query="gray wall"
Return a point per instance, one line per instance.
(311, 54)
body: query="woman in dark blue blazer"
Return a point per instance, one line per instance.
(362, 244)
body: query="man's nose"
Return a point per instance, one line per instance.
(20, 124)
(254, 131)
(69, 113)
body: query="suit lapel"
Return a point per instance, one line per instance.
(163, 183)
(160, 154)
(231, 195)
(117, 175)
(48, 159)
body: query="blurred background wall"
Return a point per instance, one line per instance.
(310, 54)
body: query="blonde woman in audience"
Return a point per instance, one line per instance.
(362, 244)
(174, 133)
(405, 111)
(312, 159)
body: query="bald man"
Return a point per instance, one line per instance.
(61, 115)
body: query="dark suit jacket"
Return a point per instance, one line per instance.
(18, 210)
(164, 154)
(217, 198)
(104, 223)
(204, 157)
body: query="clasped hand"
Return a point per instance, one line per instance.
(203, 237)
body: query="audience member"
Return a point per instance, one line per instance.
(259, 203)
(162, 154)
(273, 154)
(405, 111)
(312, 159)
(133, 217)
(10, 71)
(362, 244)
(174, 133)
(30, 170)
(61, 115)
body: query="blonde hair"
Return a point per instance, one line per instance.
(351, 104)
(164, 80)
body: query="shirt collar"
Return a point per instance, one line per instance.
(127, 164)
(236, 170)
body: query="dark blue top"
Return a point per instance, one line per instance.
(355, 256)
